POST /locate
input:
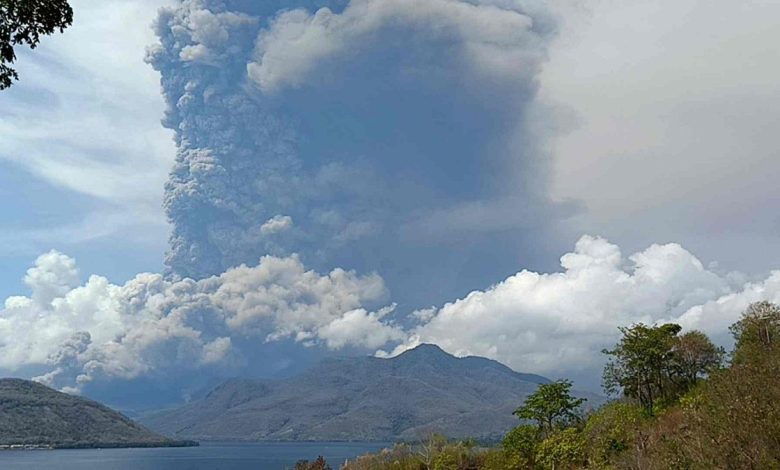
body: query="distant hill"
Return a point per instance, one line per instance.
(35, 415)
(363, 398)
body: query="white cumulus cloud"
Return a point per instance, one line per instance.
(548, 323)
(558, 323)
(360, 328)
(151, 325)
(276, 224)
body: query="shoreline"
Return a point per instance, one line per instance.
(98, 445)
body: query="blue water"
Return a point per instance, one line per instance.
(209, 456)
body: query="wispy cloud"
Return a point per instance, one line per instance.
(85, 116)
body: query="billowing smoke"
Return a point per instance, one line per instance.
(554, 323)
(151, 326)
(372, 134)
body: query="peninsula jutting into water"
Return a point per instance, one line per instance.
(33, 416)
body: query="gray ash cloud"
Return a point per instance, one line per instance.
(389, 134)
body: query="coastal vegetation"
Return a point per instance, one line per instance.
(34, 416)
(680, 403)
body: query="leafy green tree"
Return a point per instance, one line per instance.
(616, 428)
(551, 405)
(24, 22)
(564, 449)
(519, 446)
(641, 363)
(653, 365)
(695, 356)
(757, 332)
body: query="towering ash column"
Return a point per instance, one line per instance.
(380, 135)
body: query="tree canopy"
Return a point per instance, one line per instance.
(653, 365)
(551, 405)
(23, 22)
(758, 331)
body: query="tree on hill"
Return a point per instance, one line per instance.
(731, 419)
(562, 450)
(757, 332)
(695, 356)
(640, 363)
(23, 22)
(653, 365)
(551, 405)
(519, 447)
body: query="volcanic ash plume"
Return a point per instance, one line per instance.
(374, 134)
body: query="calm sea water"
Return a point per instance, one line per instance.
(209, 456)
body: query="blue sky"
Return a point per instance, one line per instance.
(83, 155)
(390, 157)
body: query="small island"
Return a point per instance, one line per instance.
(34, 416)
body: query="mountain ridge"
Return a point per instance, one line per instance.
(34, 415)
(366, 398)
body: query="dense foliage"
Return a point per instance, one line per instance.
(23, 22)
(679, 408)
(655, 365)
(551, 406)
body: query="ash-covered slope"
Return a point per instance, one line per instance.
(36, 415)
(364, 398)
